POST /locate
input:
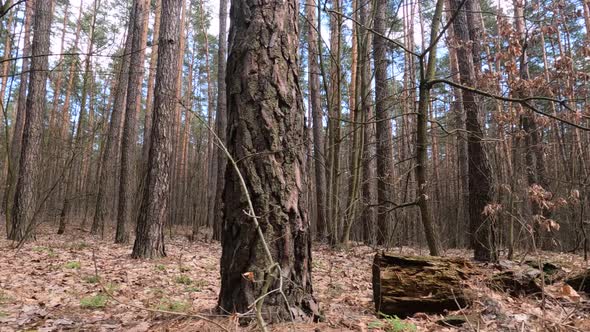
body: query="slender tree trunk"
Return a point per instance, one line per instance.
(357, 134)
(177, 125)
(427, 73)
(127, 182)
(147, 127)
(317, 115)
(17, 133)
(369, 185)
(221, 118)
(461, 139)
(480, 175)
(266, 114)
(149, 241)
(385, 176)
(211, 175)
(334, 112)
(25, 201)
(53, 122)
(83, 131)
(111, 154)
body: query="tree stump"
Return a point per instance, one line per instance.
(403, 286)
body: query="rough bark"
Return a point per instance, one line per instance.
(127, 182)
(462, 214)
(149, 241)
(266, 118)
(19, 124)
(480, 176)
(25, 201)
(385, 176)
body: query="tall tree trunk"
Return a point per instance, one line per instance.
(534, 155)
(369, 186)
(21, 114)
(462, 216)
(82, 144)
(221, 118)
(111, 153)
(480, 175)
(211, 170)
(147, 127)
(53, 123)
(385, 176)
(317, 115)
(127, 182)
(334, 112)
(25, 201)
(266, 117)
(357, 134)
(427, 73)
(177, 124)
(149, 241)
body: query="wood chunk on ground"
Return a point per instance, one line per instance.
(403, 286)
(525, 279)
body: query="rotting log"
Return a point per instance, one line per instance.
(404, 285)
(525, 279)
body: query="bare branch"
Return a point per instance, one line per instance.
(522, 101)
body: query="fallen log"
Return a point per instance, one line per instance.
(403, 286)
(525, 279)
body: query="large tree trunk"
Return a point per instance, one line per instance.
(19, 125)
(385, 176)
(480, 175)
(266, 119)
(318, 126)
(149, 241)
(25, 201)
(221, 118)
(127, 184)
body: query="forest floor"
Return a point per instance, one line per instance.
(51, 285)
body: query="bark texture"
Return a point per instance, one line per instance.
(385, 194)
(479, 171)
(25, 201)
(127, 183)
(266, 133)
(19, 125)
(149, 241)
